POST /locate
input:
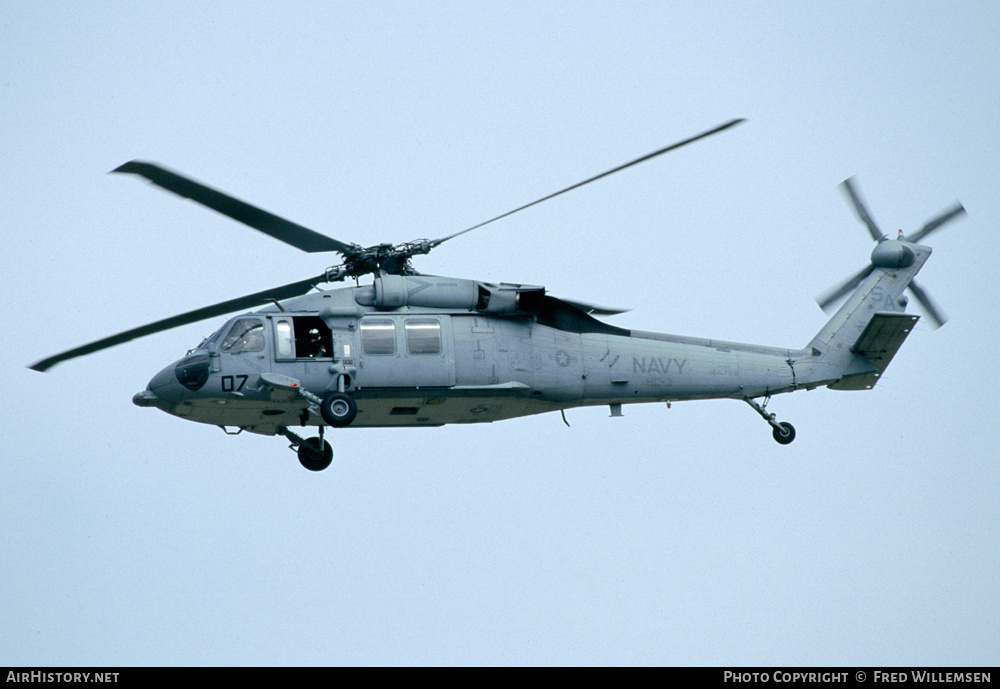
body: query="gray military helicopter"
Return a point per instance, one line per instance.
(421, 350)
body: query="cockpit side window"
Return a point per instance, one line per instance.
(246, 335)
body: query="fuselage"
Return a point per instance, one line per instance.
(455, 361)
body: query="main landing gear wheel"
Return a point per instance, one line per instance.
(784, 433)
(315, 454)
(338, 409)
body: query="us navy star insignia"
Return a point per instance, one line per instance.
(563, 358)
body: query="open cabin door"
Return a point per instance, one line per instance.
(305, 348)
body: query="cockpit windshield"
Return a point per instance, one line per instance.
(211, 339)
(246, 335)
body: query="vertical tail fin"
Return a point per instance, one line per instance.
(858, 342)
(855, 346)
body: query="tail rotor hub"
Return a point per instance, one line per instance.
(892, 254)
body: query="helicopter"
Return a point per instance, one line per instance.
(414, 350)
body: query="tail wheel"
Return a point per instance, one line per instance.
(315, 454)
(784, 433)
(338, 409)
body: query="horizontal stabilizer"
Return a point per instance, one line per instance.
(879, 342)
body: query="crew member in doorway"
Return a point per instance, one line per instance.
(317, 348)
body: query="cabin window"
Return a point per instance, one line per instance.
(423, 336)
(284, 338)
(378, 336)
(246, 335)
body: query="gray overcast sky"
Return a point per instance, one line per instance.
(680, 536)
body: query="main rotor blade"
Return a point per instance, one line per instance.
(295, 289)
(861, 210)
(644, 158)
(831, 296)
(955, 211)
(933, 312)
(284, 230)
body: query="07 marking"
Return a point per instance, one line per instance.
(229, 383)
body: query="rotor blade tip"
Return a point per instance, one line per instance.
(130, 166)
(825, 304)
(730, 123)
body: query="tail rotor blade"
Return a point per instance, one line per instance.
(956, 211)
(831, 296)
(933, 311)
(861, 210)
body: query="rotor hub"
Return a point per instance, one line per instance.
(893, 254)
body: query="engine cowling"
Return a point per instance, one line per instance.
(395, 291)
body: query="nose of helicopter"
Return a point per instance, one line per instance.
(163, 392)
